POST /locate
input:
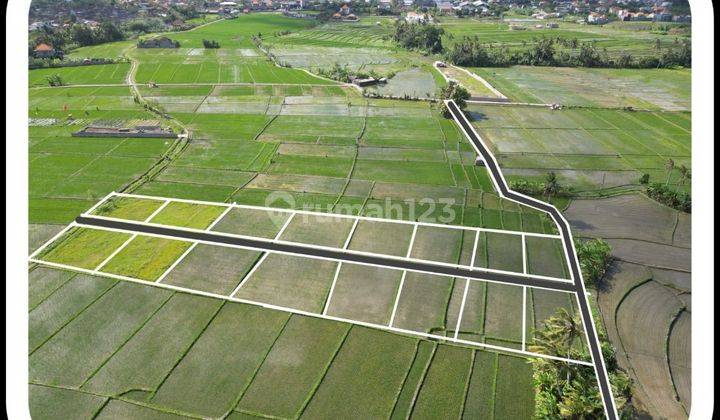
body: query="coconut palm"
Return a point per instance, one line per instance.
(684, 174)
(669, 166)
(551, 185)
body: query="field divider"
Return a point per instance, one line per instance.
(524, 317)
(338, 215)
(158, 210)
(117, 251)
(194, 244)
(524, 254)
(250, 273)
(402, 278)
(307, 313)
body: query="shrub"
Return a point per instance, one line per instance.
(210, 43)
(55, 80)
(645, 179)
(664, 194)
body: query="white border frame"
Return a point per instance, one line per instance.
(16, 217)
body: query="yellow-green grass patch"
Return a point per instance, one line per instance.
(84, 248)
(443, 390)
(146, 257)
(130, 208)
(190, 215)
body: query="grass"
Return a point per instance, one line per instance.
(47, 402)
(208, 379)
(443, 388)
(82, 75)
(206, 268)
(355, 376)
(318, 230)
(64, 304)
(663, 89)
(71, 355)
(295, 364)
(189, 215)
(85, 248)
(364, 293)
(480, 397)
(413, 380)
(129, 208)
(290, 281)
(143, 362)
(423, 303)
(146, 257)
(368, 237)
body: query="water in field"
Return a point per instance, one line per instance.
(415, 83)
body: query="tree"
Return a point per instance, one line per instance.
(455, 92)
(669, 166)
(645, 179)
(55, 80)
(594, 256)
(552, 187)
(684, 174)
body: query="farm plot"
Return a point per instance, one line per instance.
(68, 173)
(82, 75)
(588, 149)
(412, 83)
(662, 89)
(161, 350)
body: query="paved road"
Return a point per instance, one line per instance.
(341, 255)
(564, 227)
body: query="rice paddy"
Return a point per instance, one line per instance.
(267, 135)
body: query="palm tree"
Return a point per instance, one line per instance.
(558, 335)
(669, 166)
(684, 174)
(551, 185)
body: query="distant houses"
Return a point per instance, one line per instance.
(160, 42)
(344, 14)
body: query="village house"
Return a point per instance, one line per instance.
(414, 17)
(46, 51)
(596, 18)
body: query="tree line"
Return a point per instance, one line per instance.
(544, 51)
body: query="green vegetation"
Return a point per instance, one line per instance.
(472, 52)
(210, 44)
(595, 258)
(664, 194)
(422, 37)
(569, 390)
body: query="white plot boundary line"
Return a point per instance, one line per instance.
(305, 313)
(339, 266)
(325, 248)
(524, 317)
(402, 278)
(252, 248)
(467, 286)
(114, 253)
(189, 250)
(262, 258)
(335, 215)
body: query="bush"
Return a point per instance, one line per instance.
(55, 80)
(419, 37)
(211, 43)
(645, 179)
(664, 194)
